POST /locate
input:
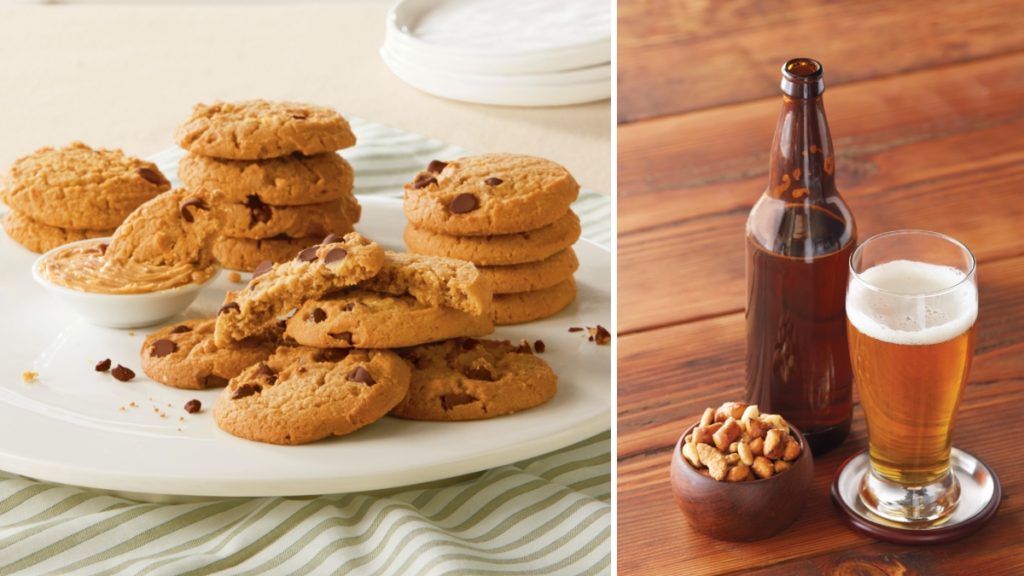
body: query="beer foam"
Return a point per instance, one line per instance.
(899, 317)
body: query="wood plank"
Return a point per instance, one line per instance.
(667, 377)
(951, 163)
(677, 57)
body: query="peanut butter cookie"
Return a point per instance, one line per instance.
(532, 275)
(489, 194)
(79, 188)
(467, 379)
(434, 281)
(39, 237)
(302, 395)
(256, 220)
(287, 181)
(246, 254)
(363, 319)
(183, 355)
(339, 262)
(529, 306)
(501, 250)
(258, 129)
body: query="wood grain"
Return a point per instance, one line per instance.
(925, 104)
(677, 57)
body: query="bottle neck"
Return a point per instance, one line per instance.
(802, 166)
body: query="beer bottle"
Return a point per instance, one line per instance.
(799, 236)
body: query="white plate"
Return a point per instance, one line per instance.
(494, 90)
(67, 426)
(502, 36)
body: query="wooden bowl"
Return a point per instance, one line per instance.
(741, 511)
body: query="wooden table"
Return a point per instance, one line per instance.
(926, 106)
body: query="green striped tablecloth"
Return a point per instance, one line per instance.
(548, 515)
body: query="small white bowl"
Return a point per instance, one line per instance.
(119, 310)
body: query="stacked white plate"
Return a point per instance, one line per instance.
(504, 52)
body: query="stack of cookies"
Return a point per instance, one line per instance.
(273, 166)
(73, 193)
(373, 333)
(508, 214)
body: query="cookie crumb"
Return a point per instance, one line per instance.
(29, 376)
(524, 347)
(539, 347)
(193, 406)
(121, 373)
(181, 418)
(131, 332)
(179, 429)
(132, 404)
(600, 335)
(103, 365)
(234, 277)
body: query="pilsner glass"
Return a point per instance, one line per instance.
(911, 307)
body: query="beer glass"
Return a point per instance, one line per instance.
(911, 306)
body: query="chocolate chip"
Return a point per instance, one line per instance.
(492, 181)
(196, 203)
(362, 375)
(318, 315)
(214, 381)
(334, 255)
(602, 336)
(436, 166)
(345, 336)
(103, 365)
(281, 236)
(348, 307)
(470, 343)
(575, 329)
(228, 306)
(193, 406)
(246, 390)
(121, 373)
(330, 355)
(180, 329)
(539, 346)
(162, 347)
(424, 181)
(262, 268)
(264, 371)
(152, 176)
(102, 247)
(479, 373)
(449, 401)
(463, 203)
(258, 211)
(307, 255)
(331, 238)
(524, 347)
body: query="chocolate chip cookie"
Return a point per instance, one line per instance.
(39, 237)
(183, 355)
(529, 306)
(434, 281)
(79, 188)
(256, 220)
(500, 250)
(258, 129)
(467, 379)
(302, 395)
(173, 229)
(532, 275)
(337, 263)
(489, 194)
(288, 181)
(360, 318)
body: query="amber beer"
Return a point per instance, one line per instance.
(911, 347)
(800, 235)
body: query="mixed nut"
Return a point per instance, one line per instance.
(736, 443)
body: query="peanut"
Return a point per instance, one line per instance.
(714, 460)
(792, 450)
(728, 410)
(732, 459)
(756, 428)
(757, 446)
(708, 418)
(725, 435)
(746, 456)
(732, 447)
(737, 473)
(776, 421)
(762, 467)
(704, 434)
(690, 453)
(750, 412)
(774, 444)
(781, 466)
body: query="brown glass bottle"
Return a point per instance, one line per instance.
(799, 238)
